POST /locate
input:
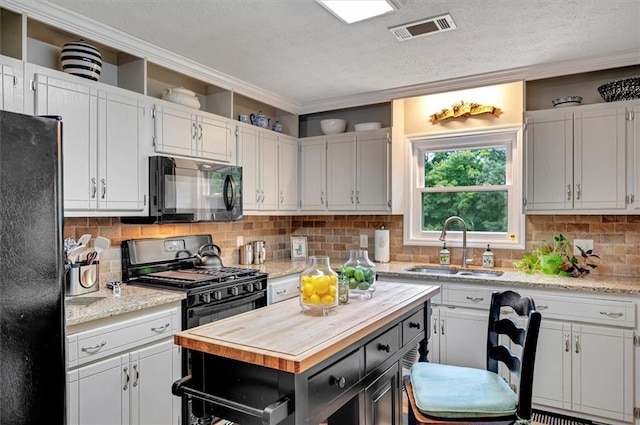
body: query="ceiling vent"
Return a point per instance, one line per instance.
(424, 27)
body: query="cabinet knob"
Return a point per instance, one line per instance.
(339, 382)
(414, 325)
(384, 347)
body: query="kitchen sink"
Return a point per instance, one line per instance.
(431, 270)
(427, 270)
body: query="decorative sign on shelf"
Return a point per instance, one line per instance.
(464, 109)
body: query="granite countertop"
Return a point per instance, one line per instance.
(629, 285)
(101, 304)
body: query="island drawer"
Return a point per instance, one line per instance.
(381, 348)
(103, 341)
(332, 381)
(412, 326)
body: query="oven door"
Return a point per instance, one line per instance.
(210, 313)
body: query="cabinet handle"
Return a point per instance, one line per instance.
(126, 373)
(94, 188)
(200, 132)
(577, 344)
(284, 291)
(135, 380)
(357, 196)
(339, 382)
(352, 196)
(281, 197)
(257, 196)
(567, 346)
(568, 192)
(435, 327)
(475, 299)
(104, 188)
(442, 327)
(262, 196)
(161, 328)
(322, 197)
(611, 314)
(542, 307)
(384, 347)
(578, 191)
(194, 131)
(414, 325)
(94, 347)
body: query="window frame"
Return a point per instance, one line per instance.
(510, 137)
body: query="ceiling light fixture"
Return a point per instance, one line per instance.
(351, 11)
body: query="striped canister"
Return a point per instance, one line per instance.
(81, 59)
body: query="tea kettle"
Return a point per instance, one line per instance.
(208, 259)
(260, 120)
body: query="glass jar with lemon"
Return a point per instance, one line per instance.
(318, 286)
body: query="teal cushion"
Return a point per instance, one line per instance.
(461, 392)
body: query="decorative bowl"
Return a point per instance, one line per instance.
(333, 126)
(567, 101)
(81, 59)
(625, 89)
(368, 126)
(181, 96)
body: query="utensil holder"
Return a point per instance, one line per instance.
(82, 278)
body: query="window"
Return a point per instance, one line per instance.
(476, 176)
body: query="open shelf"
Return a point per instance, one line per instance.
(119, 69)
(540, 93)
(243, 105)
(11, 33)
(213, 99)
(380, 112)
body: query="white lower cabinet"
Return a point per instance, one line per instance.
(282, 288)
(127, 383)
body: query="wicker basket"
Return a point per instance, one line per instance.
(626, 89)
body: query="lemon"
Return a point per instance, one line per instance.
(321, 285)
(332, 290)
(327, 299)
(333, 279)
(305, 280)
(307, 289)
(314, 299)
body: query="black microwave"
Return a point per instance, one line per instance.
(190, 190)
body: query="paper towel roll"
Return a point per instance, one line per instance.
(381, 254)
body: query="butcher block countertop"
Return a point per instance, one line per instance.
(281, 337)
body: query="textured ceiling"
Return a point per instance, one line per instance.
(298, 50)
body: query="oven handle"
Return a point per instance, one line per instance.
(235, 303)
(229, 203)
(270, 415)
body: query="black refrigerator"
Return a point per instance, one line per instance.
(32, 358)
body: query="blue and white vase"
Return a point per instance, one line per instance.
(81, 59)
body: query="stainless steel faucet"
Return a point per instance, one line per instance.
(464, 236)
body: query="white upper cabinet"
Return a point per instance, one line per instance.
(103, 130)
(181, 131)
(287, 173)
(313, 174)
(11, 85)
(576, 159)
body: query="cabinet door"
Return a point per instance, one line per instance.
(549, 161)
(249, 160)
(152, 378)
(382, 399)
(98, 394)
(11, 80)
(121, 132)
(372, 165)
(341, 173)
(175, 131)
(214, 139)
(77, 105)
(634, 132)
(313, 172)
(287, 174)
(552, 375)
(463, 337)
(603, 372)
(600, 144)
(433, 345)
(269, 171)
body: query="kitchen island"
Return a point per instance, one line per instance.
(277, 365)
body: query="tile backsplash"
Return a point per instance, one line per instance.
(616, 238)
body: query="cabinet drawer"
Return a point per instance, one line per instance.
(469, 297)
(413, 326)
(332, 381)
(381, 348)
(111, 339)
(281, 289)
(589, 310)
